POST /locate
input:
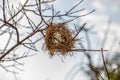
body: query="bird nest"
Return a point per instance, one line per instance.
(58, 39)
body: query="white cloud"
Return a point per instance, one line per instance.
(98, 5)
(2, 74)
(115, 29)
(41, 67)
(96, 19)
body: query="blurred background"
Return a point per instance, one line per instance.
(101, 31)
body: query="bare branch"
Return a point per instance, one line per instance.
(17, 32)
(15, 14)
(20, 42)
(108, 76)
(4, 17)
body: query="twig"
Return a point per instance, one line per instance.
(62, 15)
(74, 7)
(14, 27)
(20, 42)
(15, 14)
(4, 16)
(83, 50)
(79, 31)
(97, 73)
(108, 76)
(43, 2)
(40, 11)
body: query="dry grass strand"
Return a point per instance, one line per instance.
(58, 39)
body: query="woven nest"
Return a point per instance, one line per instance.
(58, 39)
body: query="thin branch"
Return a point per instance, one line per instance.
(14, 27)
(79, 31)
(116, 69)
(76, 11)
(74, 7)
(97, 73)
(8, 42)
(20, 42)
(83, 50)
(4, 16)
(43, 2)
(15, 14)
(40, 11)
(62, 15)
(28, 19)
(108, 76)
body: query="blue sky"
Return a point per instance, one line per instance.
(42, 67)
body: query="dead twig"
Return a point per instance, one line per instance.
(108, 76)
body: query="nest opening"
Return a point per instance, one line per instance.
(58, 39)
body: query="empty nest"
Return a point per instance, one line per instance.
(58, 39)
